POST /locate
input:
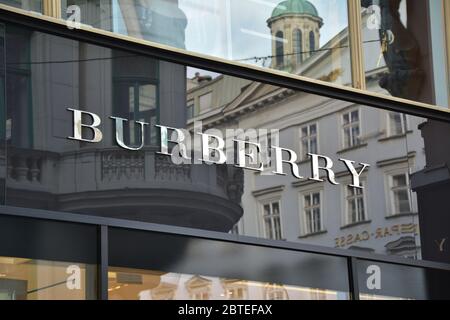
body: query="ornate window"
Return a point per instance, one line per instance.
(135, 97)
(355, 205)
(309, 141)
(297, 45)
(190, 110)
(400, 196)
(312, 212)
(272, 220)
(351, 129)
(397, 124)
(312, 42)
(279, 49)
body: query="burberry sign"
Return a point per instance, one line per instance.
(248, 149)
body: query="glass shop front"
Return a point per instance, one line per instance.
(87, 130)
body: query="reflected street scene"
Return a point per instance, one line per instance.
(87, 129)
(401, 42)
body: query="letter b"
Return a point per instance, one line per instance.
(207, 148)
(233, 309)
(78, 126)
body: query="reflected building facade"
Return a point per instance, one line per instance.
(65, 204)
(382, 217)
(45, 170)
(194, 287)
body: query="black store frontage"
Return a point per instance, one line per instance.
(83, 220)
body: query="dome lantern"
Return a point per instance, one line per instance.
(295, 29)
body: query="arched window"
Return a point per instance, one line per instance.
(279, 48)
(297, 45)
(312, 42)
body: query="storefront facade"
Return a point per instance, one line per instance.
(179, 150)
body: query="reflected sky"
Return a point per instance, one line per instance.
(237, 29)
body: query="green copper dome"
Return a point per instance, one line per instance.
(295, 7)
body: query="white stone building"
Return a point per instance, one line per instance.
(383, 216)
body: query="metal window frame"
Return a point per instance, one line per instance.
(274, 77)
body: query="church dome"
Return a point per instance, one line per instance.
(295, 7)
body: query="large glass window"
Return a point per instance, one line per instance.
(222, 29)
(381, 281)
(19, 133)
(351, 129)
(397, 124)
(315, 39)
(279, 49)
(297, 42)
(312, 41)
(272, 220)
(357, 167)
(190, 110)
(184, 268)
(205, 101)
(44, 260)
(404, 49)
(31, 5)
(383, 178)
(309, 140)
(312, 213)
(400, 194)
(30, 279)
(355, 206)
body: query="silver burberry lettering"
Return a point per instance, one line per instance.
(119, 133)
(213, 149)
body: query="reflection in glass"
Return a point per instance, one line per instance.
(309, 38)
(404, 47)
(46, 170)
(382, 217)
(402, 203)
(132, 284)
(135, 97)
(309, 140)
(313, 213)
(382, 281)
(215, 269)
(272, 221)
(297, 45)
(28, 279)
(31, 5)
(351, 129)
(47, 260)
(297, 36)
(355, 205)
(398, 124)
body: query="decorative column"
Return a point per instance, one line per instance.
(52, 8)
(356, 50)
